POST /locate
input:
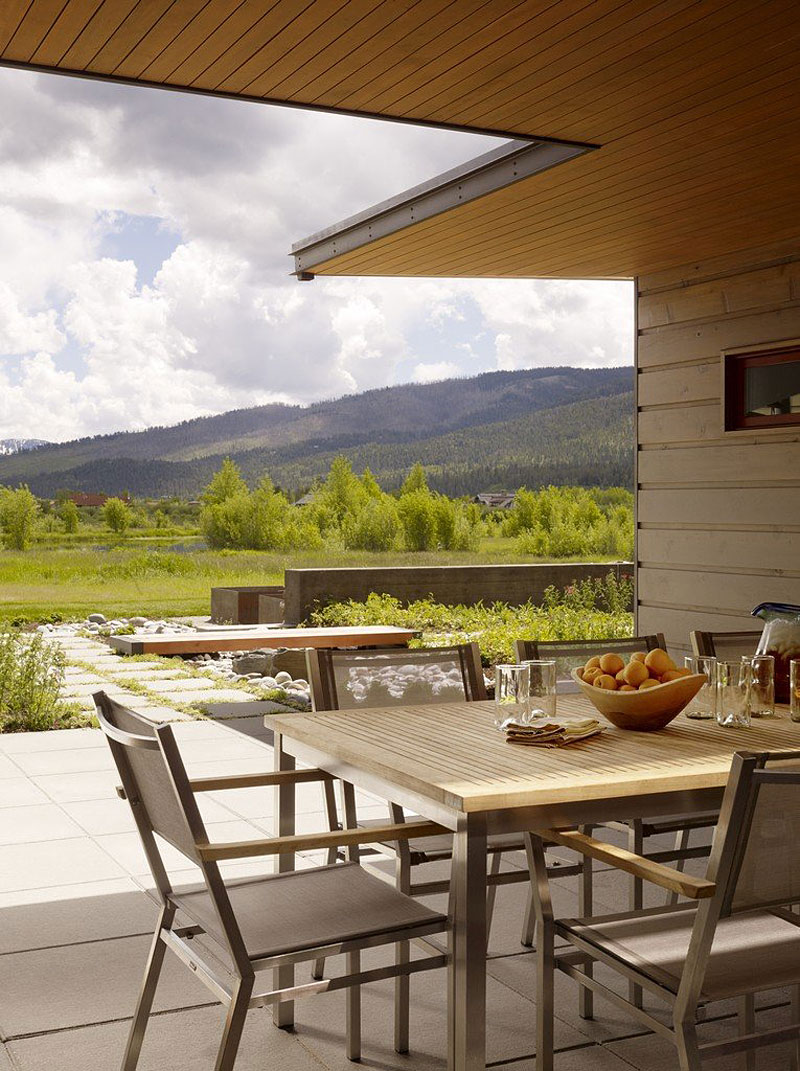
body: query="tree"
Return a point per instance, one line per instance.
(18, 510)
(225, 484)
(415, 481)
(116, 515)
(70, 517)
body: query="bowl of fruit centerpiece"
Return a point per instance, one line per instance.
(644, 694)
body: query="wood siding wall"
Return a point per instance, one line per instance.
(718, 515)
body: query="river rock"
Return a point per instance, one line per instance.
(259, 662)
(96, 619)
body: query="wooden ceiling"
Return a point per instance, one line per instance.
(695, 103)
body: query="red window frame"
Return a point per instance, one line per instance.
(736, 366)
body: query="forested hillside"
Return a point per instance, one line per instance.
(500, 429)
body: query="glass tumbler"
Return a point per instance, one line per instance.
(542, 688)
(511, 695)
(704, 704)
(794, 689)
(762, 685)
(733, 693)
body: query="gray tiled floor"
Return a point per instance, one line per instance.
(76, 914)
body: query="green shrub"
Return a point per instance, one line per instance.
(31, 675)
(375, 528)
(586, 610)
(18, 510)
(116, 515)
(70, 517)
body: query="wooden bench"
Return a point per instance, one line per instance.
(188, 643)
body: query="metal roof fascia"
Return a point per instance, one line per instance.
(482, 175)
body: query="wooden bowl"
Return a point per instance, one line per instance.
(643, 711)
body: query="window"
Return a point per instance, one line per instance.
(762, 389)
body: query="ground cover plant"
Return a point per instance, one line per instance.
(31, 676)
(591, 609)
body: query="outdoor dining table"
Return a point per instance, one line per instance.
(447, 762)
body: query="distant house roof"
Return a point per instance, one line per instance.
(305, 500)
(89, 498)
(81, 498)
(496, 499)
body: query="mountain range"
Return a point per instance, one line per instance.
(15, 446)
(499, 429)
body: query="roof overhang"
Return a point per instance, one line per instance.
(492, 171)
(696, 107)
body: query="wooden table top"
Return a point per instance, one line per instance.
(452, 754)
(252, 638)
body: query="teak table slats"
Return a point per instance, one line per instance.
(452, 754)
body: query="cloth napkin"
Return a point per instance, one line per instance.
(552, 733)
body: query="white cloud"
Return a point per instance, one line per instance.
(430, 373)
(86, 346)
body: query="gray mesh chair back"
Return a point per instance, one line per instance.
(570, 654)
(152, 774)
(765, 869)
(348, 680)
(725, 645)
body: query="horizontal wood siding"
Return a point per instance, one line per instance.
(718, 515)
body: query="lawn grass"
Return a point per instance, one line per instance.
(74, 581)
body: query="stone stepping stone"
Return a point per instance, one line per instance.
(191, 684)
(247, 718)
(187, 695)
(145, 672)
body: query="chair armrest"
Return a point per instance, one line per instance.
(646, 869)
(258, 780)
(336, 838)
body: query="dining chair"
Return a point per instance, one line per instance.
(349, 680)
(569, 655)
(263, 923)
(734, 937)
(725, 645)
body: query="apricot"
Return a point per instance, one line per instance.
(606, 682)
(634, 673)
(658, 661)
(579, 673)
(593, 662)
(611, 663)
(651, 682)
(626, 688)
(673, 675)
(638, 656)
(620, 677)
(589, 675)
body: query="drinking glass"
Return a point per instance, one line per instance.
(733, 693)
(762, 685)
(704, 704)
(542, 687)
(511, 695)
(794, 689)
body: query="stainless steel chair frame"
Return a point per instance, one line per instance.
(714, 894)
(320, 663)
(636, 830)
(236, 991)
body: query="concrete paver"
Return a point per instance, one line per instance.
(76, 910)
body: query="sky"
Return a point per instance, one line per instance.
(145, 276)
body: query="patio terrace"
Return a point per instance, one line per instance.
(77, 911)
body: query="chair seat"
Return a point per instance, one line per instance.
(307, 909)
(752, 951)
(433, 849)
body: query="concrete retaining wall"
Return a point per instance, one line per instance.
(448, 584)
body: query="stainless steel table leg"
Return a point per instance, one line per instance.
(283, 1011)
(467, 981)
